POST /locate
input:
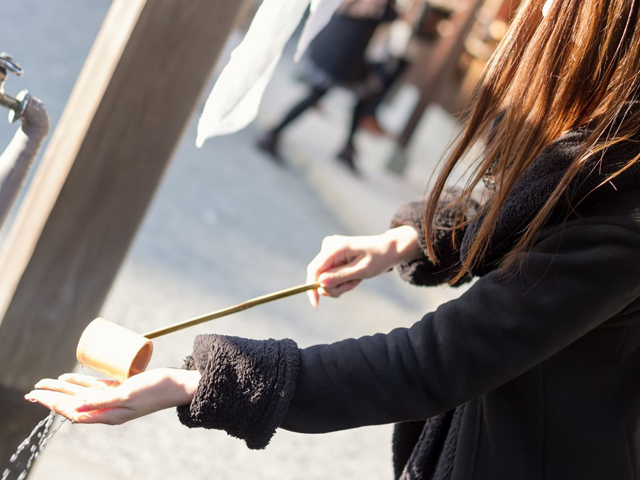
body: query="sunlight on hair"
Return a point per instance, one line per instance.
(546, 78)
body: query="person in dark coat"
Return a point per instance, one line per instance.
(533, 371)
(338, 58)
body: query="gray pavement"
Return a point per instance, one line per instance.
(226, 225)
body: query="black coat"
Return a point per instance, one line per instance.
(339, 50)
(531, 375)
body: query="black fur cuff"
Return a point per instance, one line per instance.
(246, 386)
(422, 271)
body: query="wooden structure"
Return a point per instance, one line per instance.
(440, 69)
(138, 89)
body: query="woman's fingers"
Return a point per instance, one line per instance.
(67, 395)
(330, 279)
(335, 251)
(320, 263)
(312, 278)
(70, 407)
(61, 403)
(346, 261)
(88, 381)
(74, 396)
(342, 288)
(314, 296)
(336, 254)
(60, 386)
(356, 270)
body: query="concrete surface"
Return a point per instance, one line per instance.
(226, 225)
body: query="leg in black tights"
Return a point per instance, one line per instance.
(268, 142)
(360, 110)
(389, 75)
(367, 105)
(309, 101)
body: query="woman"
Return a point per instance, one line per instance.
(533, 372)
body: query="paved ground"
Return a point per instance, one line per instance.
(227, 225)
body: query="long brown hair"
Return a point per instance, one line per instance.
(579, 65)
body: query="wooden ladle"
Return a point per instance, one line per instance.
(120, 353)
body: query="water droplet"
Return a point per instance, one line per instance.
(13, 458)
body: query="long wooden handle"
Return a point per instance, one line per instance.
(228, 311)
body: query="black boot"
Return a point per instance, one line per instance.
(347, 158)
(268, 143)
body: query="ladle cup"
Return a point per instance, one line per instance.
(120, 353)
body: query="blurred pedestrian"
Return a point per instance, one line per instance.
(338, 58)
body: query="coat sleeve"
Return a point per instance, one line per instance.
(570, 283)
(421, 271)
(246, 386)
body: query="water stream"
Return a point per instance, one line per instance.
(31, 448)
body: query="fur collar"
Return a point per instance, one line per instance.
(536, 185)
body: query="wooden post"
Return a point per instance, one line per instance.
(137, 91)
(445, 56)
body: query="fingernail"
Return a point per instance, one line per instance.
(30, 399)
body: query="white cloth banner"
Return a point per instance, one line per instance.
(235, 98)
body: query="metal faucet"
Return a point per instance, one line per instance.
(18, 157)
(16, 105)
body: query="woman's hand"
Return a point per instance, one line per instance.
(86, 399)
(343, 262)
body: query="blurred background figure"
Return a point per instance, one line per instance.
(338, 57)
